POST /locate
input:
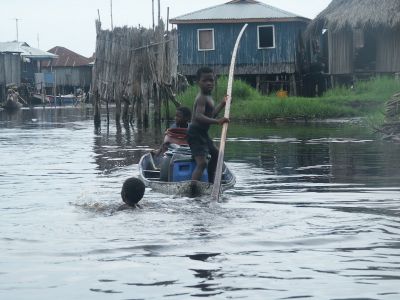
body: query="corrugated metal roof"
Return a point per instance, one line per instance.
(25, 50)
(236, 10)
(66, 58)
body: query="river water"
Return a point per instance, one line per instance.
(314, 215)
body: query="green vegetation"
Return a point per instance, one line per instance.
(367, 98)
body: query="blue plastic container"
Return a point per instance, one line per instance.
(182, 170)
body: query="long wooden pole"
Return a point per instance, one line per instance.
(152, 11)
(16, 26)
(111, 13)
(218, 172)
(159, 13)
(167, 19)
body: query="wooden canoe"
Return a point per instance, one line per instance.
(150, 175)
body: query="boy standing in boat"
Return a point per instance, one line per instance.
(204, 115)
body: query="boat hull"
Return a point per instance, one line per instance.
(57, 101)
(150, 176)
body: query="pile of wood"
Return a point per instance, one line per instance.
(136, 67)
(391, 128)
(393, 108)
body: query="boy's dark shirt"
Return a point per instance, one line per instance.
(209, 109)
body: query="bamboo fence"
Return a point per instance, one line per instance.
(136, 67)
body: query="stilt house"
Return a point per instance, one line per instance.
(18, 64)
(71, 70)
(355, 38)
(269, 50)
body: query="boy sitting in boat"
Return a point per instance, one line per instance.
(176, 134)
(182, 117)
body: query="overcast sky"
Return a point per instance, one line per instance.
(71, 23)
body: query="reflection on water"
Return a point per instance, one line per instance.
(314, 215)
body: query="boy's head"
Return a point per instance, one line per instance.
(132, 191)
(182, 116)
(205, 79)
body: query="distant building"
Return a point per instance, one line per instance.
(71, 70)
(18, 64)
(357, 38)
(269, 50)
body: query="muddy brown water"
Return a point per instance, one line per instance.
(314, 215)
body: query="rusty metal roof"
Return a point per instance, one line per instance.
(243, 10)
(66, 58)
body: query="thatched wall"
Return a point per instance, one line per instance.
(136, 66)
(388, 50)
(347, 21)
(340, 52)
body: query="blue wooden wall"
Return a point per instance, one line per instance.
(286, 37)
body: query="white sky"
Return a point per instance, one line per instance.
(71, 23)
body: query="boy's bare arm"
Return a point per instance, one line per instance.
(219, 107)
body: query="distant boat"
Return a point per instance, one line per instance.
(60, 100)
(69, 99)
(11, 105)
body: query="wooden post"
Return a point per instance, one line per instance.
(111, 13)
(156, 96)
(117, 99)
(167, 18)
(166, 101)
(108, 111)
(41, 91)
(55, 84)
(97, 119)
(152, 11)
(125, 111)
(159, 13)
(293, 89)
(258, 83)
(16, 26)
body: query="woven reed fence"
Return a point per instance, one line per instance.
(137, 69)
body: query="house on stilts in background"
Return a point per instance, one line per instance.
(270, 51)
(354, 39)
(18, 64)
(71, 70)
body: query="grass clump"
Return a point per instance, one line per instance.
(378, 89)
